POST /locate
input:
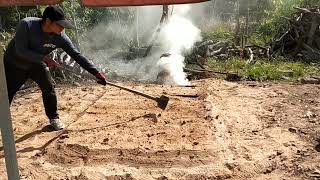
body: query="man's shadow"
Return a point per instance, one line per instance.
(47, 128)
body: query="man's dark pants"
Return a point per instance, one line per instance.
(39, 73)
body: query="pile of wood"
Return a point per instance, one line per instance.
(218, 49)
(223, 50)
(209, 48)
(302, 39)
(68, 70)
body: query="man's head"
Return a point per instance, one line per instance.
(54, 21)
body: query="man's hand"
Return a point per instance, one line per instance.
(51, 63)
(101, 78)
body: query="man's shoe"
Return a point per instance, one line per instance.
(57, 124)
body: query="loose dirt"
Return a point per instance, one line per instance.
(215, 130)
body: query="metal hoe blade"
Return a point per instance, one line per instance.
(163, 102)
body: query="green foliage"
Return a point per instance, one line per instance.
(88, 18)
(85, 17)
(258, 39)
(274, 23)
(10, 16)
(266, 69)
(265, 17)
(221, 32)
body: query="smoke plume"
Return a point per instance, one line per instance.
(176, 38)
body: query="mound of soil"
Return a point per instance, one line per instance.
(212, 130)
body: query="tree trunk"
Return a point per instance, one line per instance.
(313, 29)
(76, 27)
(214, 2)
(164, 18)
(247, 26)
(237, 29)
(18, 12)
(137, 27)
(1, 26)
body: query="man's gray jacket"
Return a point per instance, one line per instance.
(30, 45)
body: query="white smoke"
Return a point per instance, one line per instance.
(173, 65)
(176, 38)
(180, 34)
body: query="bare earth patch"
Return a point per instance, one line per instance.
(216, 130)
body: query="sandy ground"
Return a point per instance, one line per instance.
(216, 130)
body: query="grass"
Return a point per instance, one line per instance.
(264, 70)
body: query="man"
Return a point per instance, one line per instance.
(27, 56)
